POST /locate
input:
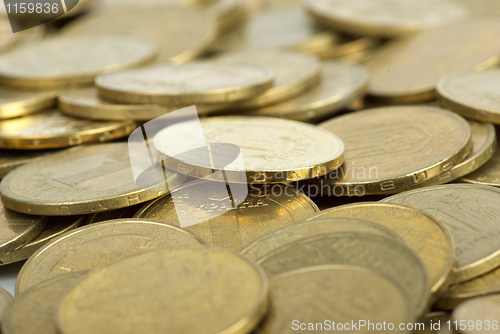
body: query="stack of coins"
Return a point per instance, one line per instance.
(252, 166)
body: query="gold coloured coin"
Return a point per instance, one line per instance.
(180, 34)
(340, 85)
(15, 103)
(11, 159)
(294, 72)
(313, 295)
(43, 66)
(391, 148)
(408, 70)
(425, 235)
(479, 315)
(17, 229)
(472, 94)
(202, 82)
(52, 129)
(34, 310)
(163, 291)
(384, 18)
(93, 245)
(86, 103)
(54, 228)
(310, 228)
(488, 174)
(8, 39)
(84, 180)
(469, 212)
(5, 300)
(481, 7)
(380, 254)
(273, 150)
(265, 209)
(128, 212)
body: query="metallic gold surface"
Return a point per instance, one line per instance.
(481, 7)
(5, 300)
(313, 295)
(180, 34)
(170, 290)
(34, 311)
(128, 212)
(273, 150)
(294, 72)
(265, 209)
(380, 254)
(17, 229)
(203, 82)
(384, 18)
(55, 227)
(469, 212)
(340, 85)
(11, 159)
(84, 180)
(43, 66)
(8, 39)
(408, 70)
(52, 129)
(93, 245)
(310, 228)
(483, 310)
(18, 103)
(488, 174)
(472, 94)
(86, 103)
(425, 235)
(391, 148)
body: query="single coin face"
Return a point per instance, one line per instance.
(87, 179)
(55, 227)
(43, 65)
(424, 234)
(391, 148)
(468, 211)
(384, 18)
(5, 300)
(52, 129)
(294, 72)
(383, 255)
(192, 83)
(174, 290)
(408, 71)
(34, 310)
(15, 103)
(93, 245)
(340, 84)
(17, 229)
(265, 208)
(472, 94)
(180, 34)
(310, 228)
(330, 295)
(11, 159)
(488, 174)
(479, 314)
(272, 150)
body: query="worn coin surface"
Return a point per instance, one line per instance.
(273, 150)
(44, 66)
(428, 237)
(84, 180)
(11, 159)
(383, 255)
(391, 148)
(52, 129)
(265, 209)
(192, 83)
(472, 94)
(294, 72)
(340, 84)
(164, 290)
(408, 70)
(313, 227)
(17, 229)
(469, 212)
(180, 34)
(55, 227)
(312, 295)
(488, 174)
(384, 18)
(480, 315)
(5, 300)
(34, 310)
(15, 103)
(93, 245)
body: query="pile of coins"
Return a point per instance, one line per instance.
(308, 165)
